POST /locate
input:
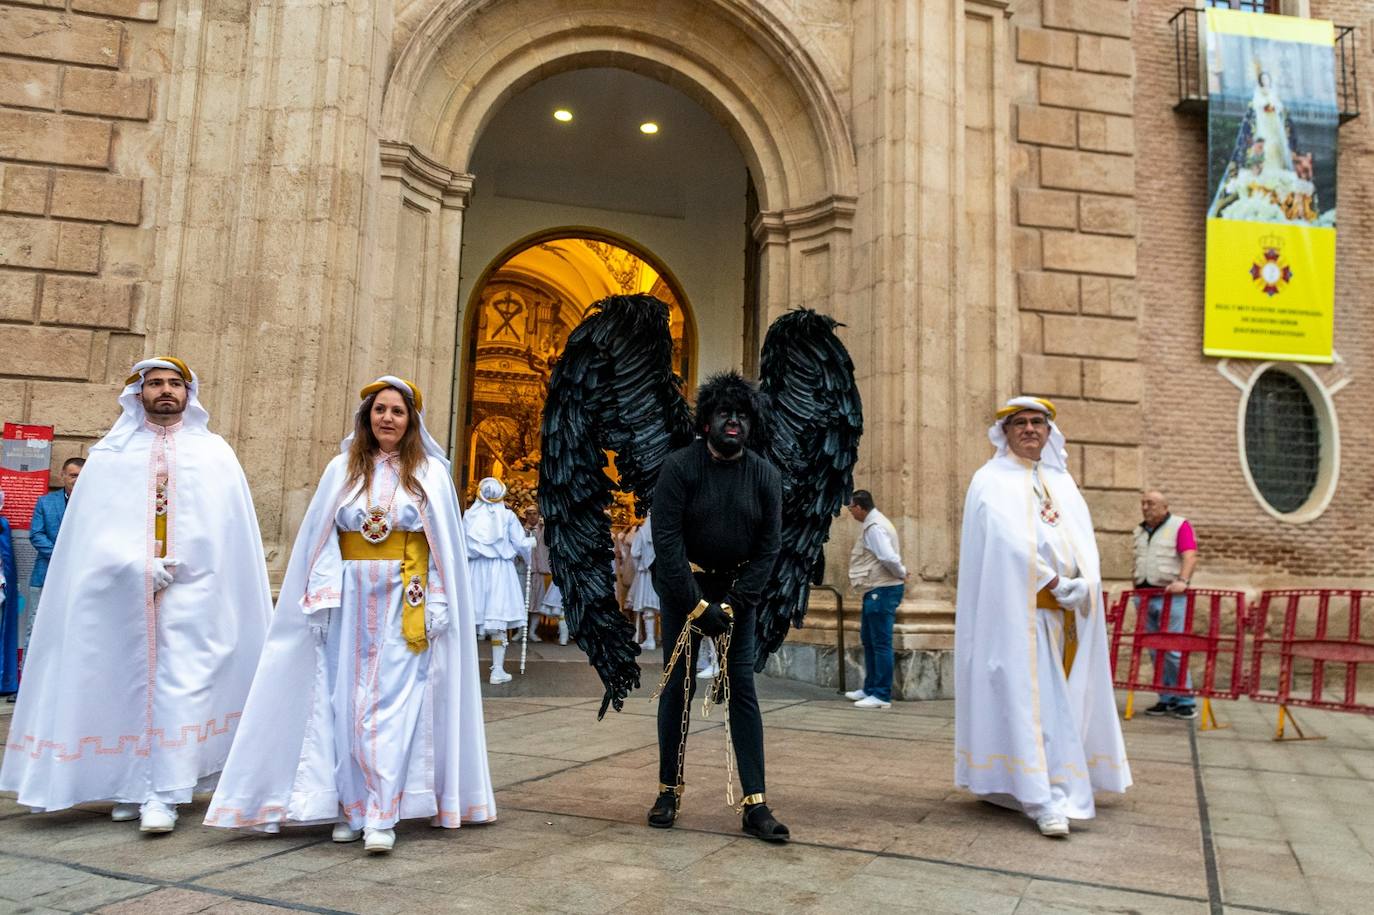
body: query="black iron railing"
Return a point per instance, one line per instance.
(1190, 55)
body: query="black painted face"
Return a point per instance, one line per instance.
(729, 431)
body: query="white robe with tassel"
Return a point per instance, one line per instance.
(359, 727)
(1025, 733)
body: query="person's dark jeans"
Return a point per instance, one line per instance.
(746, 720)
(875, 629)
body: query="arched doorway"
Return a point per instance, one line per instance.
(461, 66)
(520, 313)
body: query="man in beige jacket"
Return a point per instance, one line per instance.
(875, 568)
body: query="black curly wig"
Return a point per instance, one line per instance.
(730, 390)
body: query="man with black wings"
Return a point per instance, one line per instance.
(716, 533)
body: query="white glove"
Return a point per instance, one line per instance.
(1072, 593)
(162, 571)
(435, 625)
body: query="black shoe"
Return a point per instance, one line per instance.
(1185, 712)
(664, 812)
(1160, 708)
(760, 823)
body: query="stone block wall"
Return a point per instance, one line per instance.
(1077, 218)
(78, 160)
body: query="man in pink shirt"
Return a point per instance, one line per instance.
(1165, 556)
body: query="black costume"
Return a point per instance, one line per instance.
(756, 526)
(725, 517)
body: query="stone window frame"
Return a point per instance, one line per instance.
(1328, 427)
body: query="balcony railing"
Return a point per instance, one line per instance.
(1190, 54)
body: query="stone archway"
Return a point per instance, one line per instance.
(457, 61)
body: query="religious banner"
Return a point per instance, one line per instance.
(25, 457)
(1271, 224)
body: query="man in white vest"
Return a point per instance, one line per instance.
(1165, 556)
(875, 568)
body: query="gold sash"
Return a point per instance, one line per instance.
(1045, 601)
(412, 549)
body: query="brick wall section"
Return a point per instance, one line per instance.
(77, 105)
(1191, 410)
(1074, 180)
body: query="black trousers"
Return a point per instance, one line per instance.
(746, 721)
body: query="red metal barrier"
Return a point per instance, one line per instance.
(1322, 637)
(1213, 628)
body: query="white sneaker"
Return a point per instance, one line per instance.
(499, 676)
(157, 817)
(648, 645)
(1054, 826)
(872, 702)
(123, 813)
(854, 695)
(379, 841)
(533, 636)
(345, 833)
(709, 673)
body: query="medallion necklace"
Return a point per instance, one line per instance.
(377, 522)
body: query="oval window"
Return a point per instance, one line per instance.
(1283, 441)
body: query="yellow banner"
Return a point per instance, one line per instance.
(1271, 222)
(1279, 28)
(1270, 290)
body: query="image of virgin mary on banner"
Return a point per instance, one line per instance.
(1271, 220)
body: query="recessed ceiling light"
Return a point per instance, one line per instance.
(562, 114)
(648, 127)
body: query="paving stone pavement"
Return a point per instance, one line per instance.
(1218, 821)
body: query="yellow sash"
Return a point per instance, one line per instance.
(1045, 601)
(412, 549)
(160, 533)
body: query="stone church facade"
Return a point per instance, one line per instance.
(995, 196)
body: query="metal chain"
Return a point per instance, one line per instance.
(681, 650)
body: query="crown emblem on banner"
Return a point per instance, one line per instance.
(1270, 271)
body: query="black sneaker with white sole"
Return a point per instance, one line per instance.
(1160, 708)
(1183, 711)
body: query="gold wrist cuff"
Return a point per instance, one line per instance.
(747, 800)
(698, 610)
(675, 790)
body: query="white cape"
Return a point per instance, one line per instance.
(1000, 731)
(125, 693)
(271, 777)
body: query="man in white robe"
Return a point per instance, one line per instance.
(1035, 723)
(154, 612)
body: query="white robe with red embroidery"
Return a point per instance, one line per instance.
(127, 693)
(356, 726)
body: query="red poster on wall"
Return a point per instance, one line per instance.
(25, 458)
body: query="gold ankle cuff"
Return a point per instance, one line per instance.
(674, 790)
(751, 799)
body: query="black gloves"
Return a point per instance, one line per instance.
(713, 621)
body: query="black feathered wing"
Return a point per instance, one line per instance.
(814, 421)
(612, 389)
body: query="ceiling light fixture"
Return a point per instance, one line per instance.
(648, 127)
(562, 114)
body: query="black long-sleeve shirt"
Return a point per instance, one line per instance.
(721, 515)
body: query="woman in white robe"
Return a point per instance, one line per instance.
(1028, 736)
(366, 708)
(495, 539)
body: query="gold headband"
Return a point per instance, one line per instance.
(1013, 409)
(182, 370)
(376, 386)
